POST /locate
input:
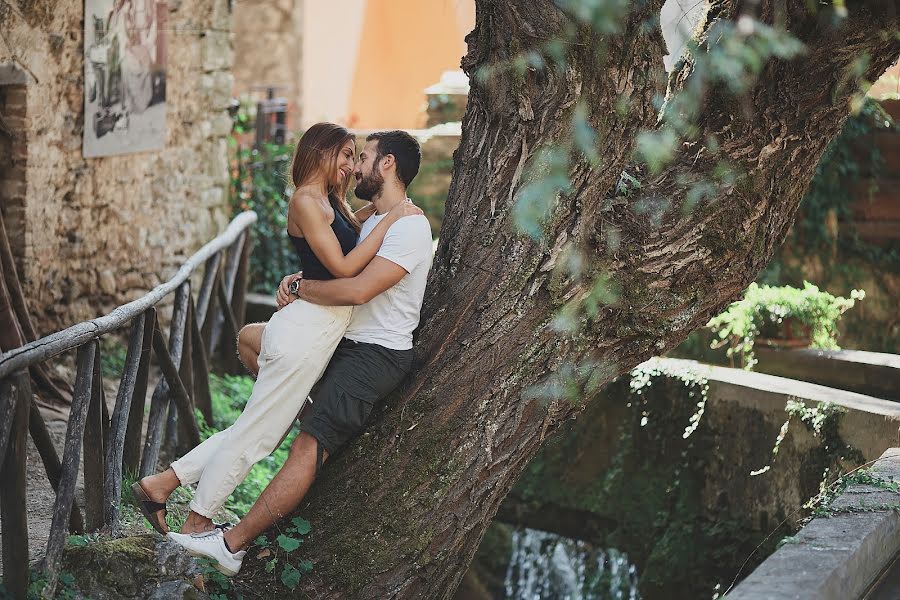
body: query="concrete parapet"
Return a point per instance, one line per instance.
(836, 556)
(874, 373)
(868, 423)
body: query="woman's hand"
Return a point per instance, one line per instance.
(404, 209)
(283, 296)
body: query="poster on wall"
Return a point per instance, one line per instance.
(124, 76)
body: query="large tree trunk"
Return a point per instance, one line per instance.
(402, 511)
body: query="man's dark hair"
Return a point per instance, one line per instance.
(405, 148)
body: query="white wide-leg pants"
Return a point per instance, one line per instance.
(297, 344)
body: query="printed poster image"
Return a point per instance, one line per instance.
(124, 76)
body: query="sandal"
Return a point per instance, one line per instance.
(150, 509)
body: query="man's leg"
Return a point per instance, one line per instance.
(249, 344)
(283, 494)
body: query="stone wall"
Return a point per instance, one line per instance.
(268, 50)
(94, 233)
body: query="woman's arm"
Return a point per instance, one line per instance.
(308, 217)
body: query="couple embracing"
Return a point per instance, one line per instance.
(342, 338)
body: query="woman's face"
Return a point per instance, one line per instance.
(343, 167)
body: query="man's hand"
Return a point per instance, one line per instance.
(283, 297)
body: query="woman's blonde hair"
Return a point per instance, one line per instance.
(316, 153)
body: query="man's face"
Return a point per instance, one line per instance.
(369, 180)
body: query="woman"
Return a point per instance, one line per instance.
(299, 339)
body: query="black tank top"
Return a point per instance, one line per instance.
(310, 264)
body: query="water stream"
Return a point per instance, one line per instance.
(547, 566)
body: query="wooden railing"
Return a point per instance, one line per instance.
(112, 443)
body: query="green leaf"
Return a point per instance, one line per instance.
(300, 525)
(585, 135)
(270, 565)
(262, 541)
(656, 148)
(288, 544)
(290, 576)
(78, 540)
(305, 566)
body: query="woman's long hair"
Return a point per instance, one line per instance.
(316, 154)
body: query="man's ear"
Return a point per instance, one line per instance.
(388, 161)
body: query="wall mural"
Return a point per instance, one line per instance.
(125, 76)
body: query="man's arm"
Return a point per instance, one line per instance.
(379, 275)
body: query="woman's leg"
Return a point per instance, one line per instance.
(188, 469)
(294, 355)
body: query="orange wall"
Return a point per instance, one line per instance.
(888, 86)
(367, 62)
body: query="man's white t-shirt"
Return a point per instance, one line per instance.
(390, 318)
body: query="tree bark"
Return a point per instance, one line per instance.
(400, 513)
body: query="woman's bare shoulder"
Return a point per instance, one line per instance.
(305, 202)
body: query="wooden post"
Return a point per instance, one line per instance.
(44, 444)
(8, 400)
(159, 405)
(13, 516)
(239, 291)
(186, 373)
(230, 361)
(88, 367)
(160, 402)
(115, 441)
(232, 264)
(202, 397)
(94, 447)
(206, 325)
(131, 457)
(176, 386)
(210, 274)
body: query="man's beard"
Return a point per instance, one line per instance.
(369, 186)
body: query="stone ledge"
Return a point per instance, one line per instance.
(874, 373)
(867, 425)
(835, 557)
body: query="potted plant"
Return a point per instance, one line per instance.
(780, 316)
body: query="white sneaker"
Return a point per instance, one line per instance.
(211, 544)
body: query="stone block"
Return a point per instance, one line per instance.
(132, 295)
(213, 197)
(215, 161)
(217, 89)
(221, 15)
(132, 279)
(221, 125)
(107, 282)
(216, 53)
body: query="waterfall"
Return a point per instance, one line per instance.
(546, 566)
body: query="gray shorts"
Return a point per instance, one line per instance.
(358, 376)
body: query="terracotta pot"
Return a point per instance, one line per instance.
(792, 334)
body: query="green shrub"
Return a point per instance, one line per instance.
(766, 307)
(260, 182)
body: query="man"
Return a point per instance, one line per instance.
(374, 356)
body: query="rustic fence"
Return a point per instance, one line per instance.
(113, 443)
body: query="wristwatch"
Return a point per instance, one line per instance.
(294, 287)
